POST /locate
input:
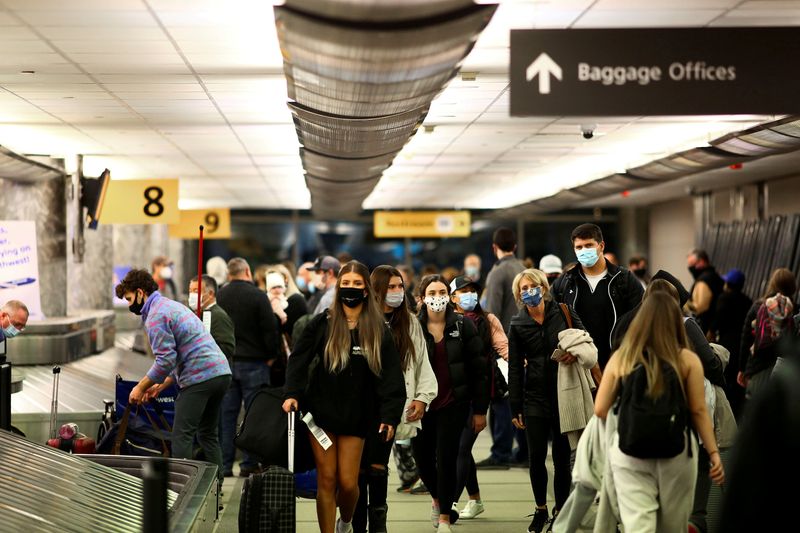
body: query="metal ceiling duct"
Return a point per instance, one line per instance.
(355, 137)
(14, 166)
(358, 109)
(789, 126)
(335, 168)
(610, 185)
(318, 184)
(757, 142)
(365, 92)
(362, 74)
(378, 10)
(777, 137)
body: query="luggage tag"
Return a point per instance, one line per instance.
(317, 431)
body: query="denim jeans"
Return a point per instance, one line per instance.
(248, 378)
(502, 430)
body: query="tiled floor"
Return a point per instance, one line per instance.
(506, 494)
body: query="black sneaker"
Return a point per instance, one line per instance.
(490, 463)
(552, 521)
(406, 487)
(420, 489)
(540, 520)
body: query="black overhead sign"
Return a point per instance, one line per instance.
(697, 71)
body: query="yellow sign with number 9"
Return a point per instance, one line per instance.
(216, 224)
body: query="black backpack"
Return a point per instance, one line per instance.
(652, 428)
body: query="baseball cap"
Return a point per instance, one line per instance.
(459, 282)
(734, 277)
(550, 264)
(326, 262)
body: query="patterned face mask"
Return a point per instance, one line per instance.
(437, 304)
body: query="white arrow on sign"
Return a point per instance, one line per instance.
(544, 67)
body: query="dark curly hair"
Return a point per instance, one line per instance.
(136, 279)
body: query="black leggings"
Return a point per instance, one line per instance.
(436, 451)
(539, 430)
(467, 474)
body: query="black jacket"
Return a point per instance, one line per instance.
(624, 290)
(532, 387)
(465, 356)
(343, 402)
(732, 308)
(222, 331)
(254, 323)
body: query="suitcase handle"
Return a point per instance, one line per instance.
(291, 434)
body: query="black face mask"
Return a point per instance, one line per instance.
(694, 271)
(351, 296)
(136, 306)
(640, 272)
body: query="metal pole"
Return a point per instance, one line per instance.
(78, 241)
(5, 396)
(296, 239)
(154, 517)
(200, 275)
(520, 238)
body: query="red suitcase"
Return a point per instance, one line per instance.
(69, 438)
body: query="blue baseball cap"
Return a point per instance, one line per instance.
(734, 277)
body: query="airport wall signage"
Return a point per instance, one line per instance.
(682, 71)
(141, 202)
(416, 224)
(216, 224)
(19, 266)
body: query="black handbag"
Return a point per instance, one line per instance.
(264, 431)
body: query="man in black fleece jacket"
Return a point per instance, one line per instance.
(256, 332)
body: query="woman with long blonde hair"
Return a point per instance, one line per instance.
(657, 494)
(344, 363)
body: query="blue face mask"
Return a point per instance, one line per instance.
(532, 297)
(10, 331)
(468, 301)
(473, 272)
(301, 282)
(587, 257)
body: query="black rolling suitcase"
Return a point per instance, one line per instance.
(268, 499)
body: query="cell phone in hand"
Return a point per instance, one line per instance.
(384, 433)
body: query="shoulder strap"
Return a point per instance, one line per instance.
(567, 316)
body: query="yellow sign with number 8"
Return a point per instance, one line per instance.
(141, 202)
(216, 224)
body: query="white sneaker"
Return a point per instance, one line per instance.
(343, 527)
(444, 527)
(472, 509)
(435, 516)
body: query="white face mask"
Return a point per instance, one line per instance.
(165, 272)
(394, 299)
(193, 301)
(437, 304)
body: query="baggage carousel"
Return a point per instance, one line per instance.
(84, 385)
(47, 490)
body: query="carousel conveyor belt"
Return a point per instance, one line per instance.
(45, 489)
